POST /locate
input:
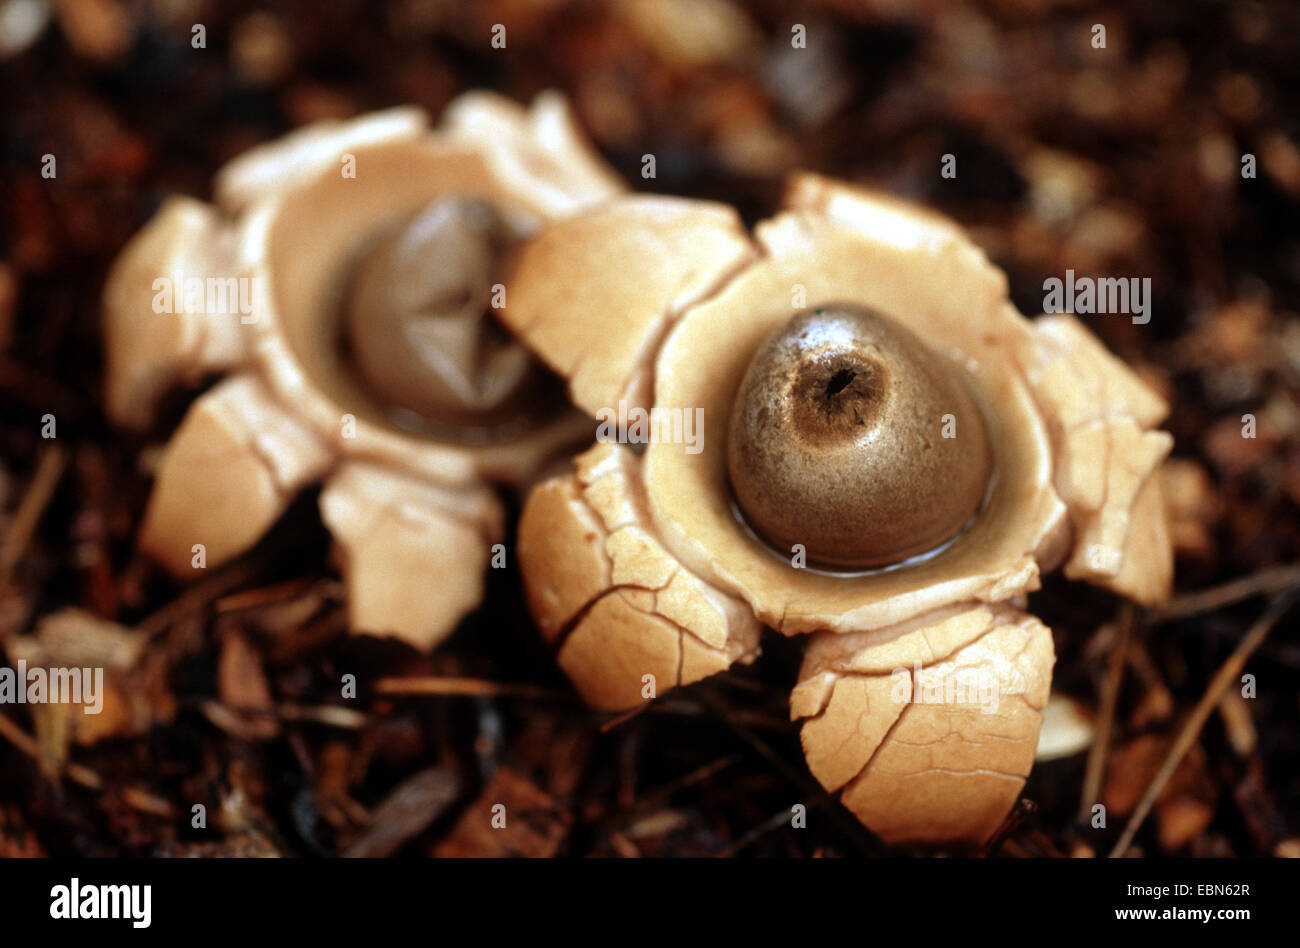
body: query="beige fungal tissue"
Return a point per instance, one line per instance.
(923, 684)
(253, 288)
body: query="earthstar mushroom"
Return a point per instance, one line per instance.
(974, 451)
(344, 282)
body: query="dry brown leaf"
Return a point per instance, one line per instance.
(534, 825)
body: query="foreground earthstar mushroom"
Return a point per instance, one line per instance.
(852, 331)
(343, 280)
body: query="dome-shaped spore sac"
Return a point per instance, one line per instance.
(851, 437)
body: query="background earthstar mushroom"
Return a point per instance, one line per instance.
(924, 678)
(351, 360)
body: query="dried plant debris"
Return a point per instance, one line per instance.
(239, 715)
(512, 817)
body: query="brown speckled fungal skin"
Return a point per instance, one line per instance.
(412, 514)
(886, 721)
(836, 441)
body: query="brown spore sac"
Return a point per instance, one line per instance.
(851, 437)
(419, 329)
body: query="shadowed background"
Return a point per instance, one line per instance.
(1123, 161)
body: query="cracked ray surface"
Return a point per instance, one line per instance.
(927, 745)
(610, 597)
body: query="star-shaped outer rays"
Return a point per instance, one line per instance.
(660, 303)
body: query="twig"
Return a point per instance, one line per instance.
(434, 686)
(661, 795)
(1023, 809)
(146, 802)
(1158, 704)
(774, 822)
(689, 709)
(201, 594)
(1226, 675)
(1238, 723)
(329, 715)
(462, 687)
(251, 598)
(332, 624)
(20, 739)
(406, 812)
(37, 497)
(1100, 750)
(619, 720)
(83, 776)
(1266, 582)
